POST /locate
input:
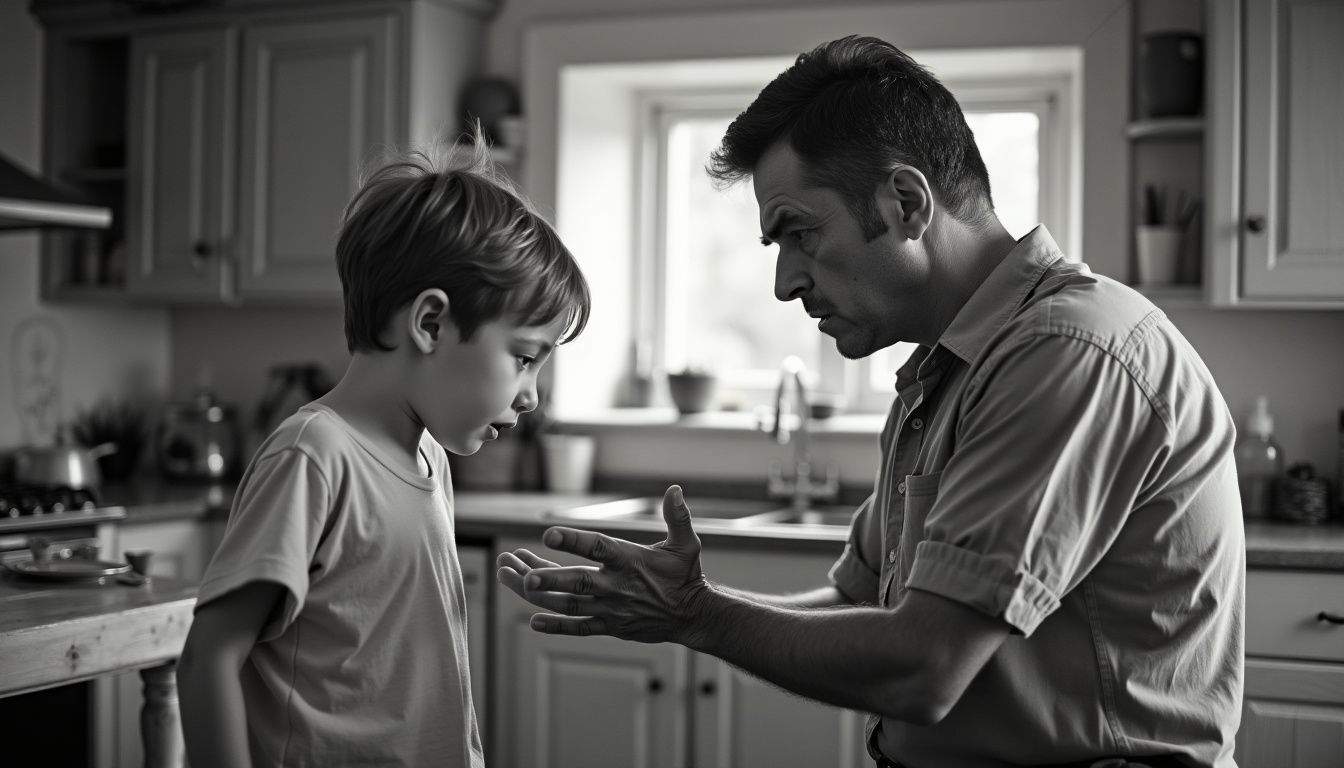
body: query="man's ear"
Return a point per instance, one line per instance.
(909, 190)
(428, 319)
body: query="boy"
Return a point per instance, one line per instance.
(330, 627)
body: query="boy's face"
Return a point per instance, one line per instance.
(466, 392)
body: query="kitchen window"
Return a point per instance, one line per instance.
(704, 285)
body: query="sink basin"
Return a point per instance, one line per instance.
(651, 508)
(739, 512)
(838, 516)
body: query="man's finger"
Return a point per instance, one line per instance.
(568, 625)
(511, 579)
(594, 546)
(532, 560)
(678, 517)
(561, 602)
(576, 579)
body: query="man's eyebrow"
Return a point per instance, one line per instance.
(782, 221)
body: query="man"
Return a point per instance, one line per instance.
(1050, 568)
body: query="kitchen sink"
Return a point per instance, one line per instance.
(651, 508)
(821, 516)
(737, 512)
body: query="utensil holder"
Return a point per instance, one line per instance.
(1159, 250)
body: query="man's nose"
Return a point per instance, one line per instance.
(791, 279)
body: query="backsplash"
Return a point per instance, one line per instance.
(1294, 357)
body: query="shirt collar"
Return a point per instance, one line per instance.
(1000, 295)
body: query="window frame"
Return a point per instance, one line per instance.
(1049, 95)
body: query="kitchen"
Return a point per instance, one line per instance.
(248, 332)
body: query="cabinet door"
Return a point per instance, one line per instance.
(1293, 716)
(181, 164)
(744, 722)
(597, 702)
(1292, 231)
(318, 98)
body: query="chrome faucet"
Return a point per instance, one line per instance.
(798, 485)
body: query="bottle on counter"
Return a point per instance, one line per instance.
(1259, 460)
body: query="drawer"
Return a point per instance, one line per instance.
(1282, 610)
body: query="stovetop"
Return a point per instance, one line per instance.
(28, 507)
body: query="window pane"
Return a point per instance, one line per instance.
(1009, 146)
(721, 310)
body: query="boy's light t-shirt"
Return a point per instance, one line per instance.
(365, 660)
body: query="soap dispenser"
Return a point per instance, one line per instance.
(1259, 461)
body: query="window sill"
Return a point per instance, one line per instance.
(716, 422)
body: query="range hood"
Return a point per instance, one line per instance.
(28, 202)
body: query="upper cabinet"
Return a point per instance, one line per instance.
(1275, 162)
(244, 135)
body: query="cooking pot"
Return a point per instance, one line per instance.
(67, 466)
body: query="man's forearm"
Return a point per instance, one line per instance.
(854, 657)
(821, 597)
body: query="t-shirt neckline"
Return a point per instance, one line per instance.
(428, 483)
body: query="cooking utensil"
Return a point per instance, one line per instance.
(71, 569)
(67, 466)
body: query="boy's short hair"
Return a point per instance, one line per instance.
(446, 218)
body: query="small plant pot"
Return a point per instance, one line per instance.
(1159, 250)
(691, 392)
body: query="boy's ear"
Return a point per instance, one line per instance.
(428, 319)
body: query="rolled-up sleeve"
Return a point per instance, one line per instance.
(1054, 443)
(854, 574)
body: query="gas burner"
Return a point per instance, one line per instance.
(23, 500)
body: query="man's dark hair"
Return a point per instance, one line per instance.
(853, 109)
(445, 218)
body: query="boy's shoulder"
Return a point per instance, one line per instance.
(313, 431)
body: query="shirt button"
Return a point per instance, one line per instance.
(900, 487)
(916, 423)
(891, 557)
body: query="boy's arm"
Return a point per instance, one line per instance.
(223, 632)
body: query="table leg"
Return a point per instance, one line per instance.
(160, 721)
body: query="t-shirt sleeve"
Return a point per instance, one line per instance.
(272, 535)
(854, 574)
(1054, 445)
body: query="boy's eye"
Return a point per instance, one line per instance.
(524, 362)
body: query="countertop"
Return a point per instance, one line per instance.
(486, 515)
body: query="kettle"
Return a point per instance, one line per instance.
(198, 440)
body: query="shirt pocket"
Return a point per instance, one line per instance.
(921, 491)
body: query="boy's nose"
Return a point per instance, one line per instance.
(526, 401)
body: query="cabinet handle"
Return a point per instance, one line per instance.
(201, 249)
(1330, 618)
(708, 688)
(1255, 223)
(655, 685)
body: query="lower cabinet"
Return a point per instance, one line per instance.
(1293, 710)
(591, 702)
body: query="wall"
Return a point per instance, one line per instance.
(1292, 356)
(104, 351)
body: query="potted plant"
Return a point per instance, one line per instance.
(692, 389)
(112, 421)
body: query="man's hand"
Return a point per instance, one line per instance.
(648, 594)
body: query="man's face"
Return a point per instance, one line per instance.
(867, 294)
(465, 392)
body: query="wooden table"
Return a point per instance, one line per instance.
(59, 633)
